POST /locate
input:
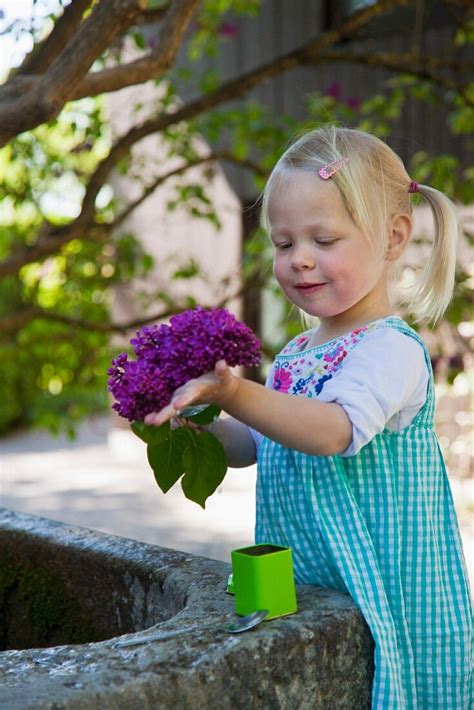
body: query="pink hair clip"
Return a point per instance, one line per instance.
(331, 169)
(413, 187)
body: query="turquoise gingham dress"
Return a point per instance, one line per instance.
(381, 526)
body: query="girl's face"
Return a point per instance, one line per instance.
(323, 262)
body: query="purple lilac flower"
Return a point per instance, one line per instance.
(353, 102)
(137, 387)
(167, 356)
(227, 29)
(334, 89)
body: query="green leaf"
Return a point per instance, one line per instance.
(187, 271)
(151, 434)
(139, 40)
(206, 416)
(209, 81)
(205, 466)
(166, 458)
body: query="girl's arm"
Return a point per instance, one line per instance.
(307, 425)
(236, 439)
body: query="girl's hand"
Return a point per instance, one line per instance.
(216, 387)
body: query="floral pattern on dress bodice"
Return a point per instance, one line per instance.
(301, 370)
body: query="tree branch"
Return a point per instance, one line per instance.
(14, 322)
(51, 238)
(37, 62)
(416, 65)
(232, 89)
(44, 53)
(148, 17)
(235, 88)
(154, 65)
(42, 101)
(146, 68)
(212, 158)
(116, 78)
(58, 85)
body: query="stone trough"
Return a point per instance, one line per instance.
(69, 595)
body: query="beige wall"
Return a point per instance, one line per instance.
(172, 238)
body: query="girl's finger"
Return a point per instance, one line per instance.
(181, 402)
(159, 418)
(189, 395)
(221, 369)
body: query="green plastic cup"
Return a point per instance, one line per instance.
(263, 579)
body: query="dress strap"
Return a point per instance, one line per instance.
(425, 416)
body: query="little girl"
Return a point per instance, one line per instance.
(350, 473)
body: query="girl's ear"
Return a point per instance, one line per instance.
(400, 232)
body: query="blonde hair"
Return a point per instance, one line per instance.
(374, 186)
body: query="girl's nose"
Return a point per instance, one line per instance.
(302, 259)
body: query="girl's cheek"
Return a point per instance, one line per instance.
(277, 270)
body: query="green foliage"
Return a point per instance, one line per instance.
(193, 198)
(53, 367)
(208, 30)
(375, 115)
(205, 466)
(151, 434)
(187, 271)
(253, 131)
(53, 373)
(196, 456)
(208, 415)
(166, 458)
(444, 172)
(462, 118)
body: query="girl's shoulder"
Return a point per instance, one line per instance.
(298, 343)
(394, 332)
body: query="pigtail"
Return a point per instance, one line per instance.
(429, 295)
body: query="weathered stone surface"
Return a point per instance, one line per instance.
(319, 658)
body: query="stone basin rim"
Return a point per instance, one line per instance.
(173, 572)
(304, 660)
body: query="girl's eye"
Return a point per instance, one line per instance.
(325, 242)
(282, 246)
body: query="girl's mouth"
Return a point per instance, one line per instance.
(308, 288)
